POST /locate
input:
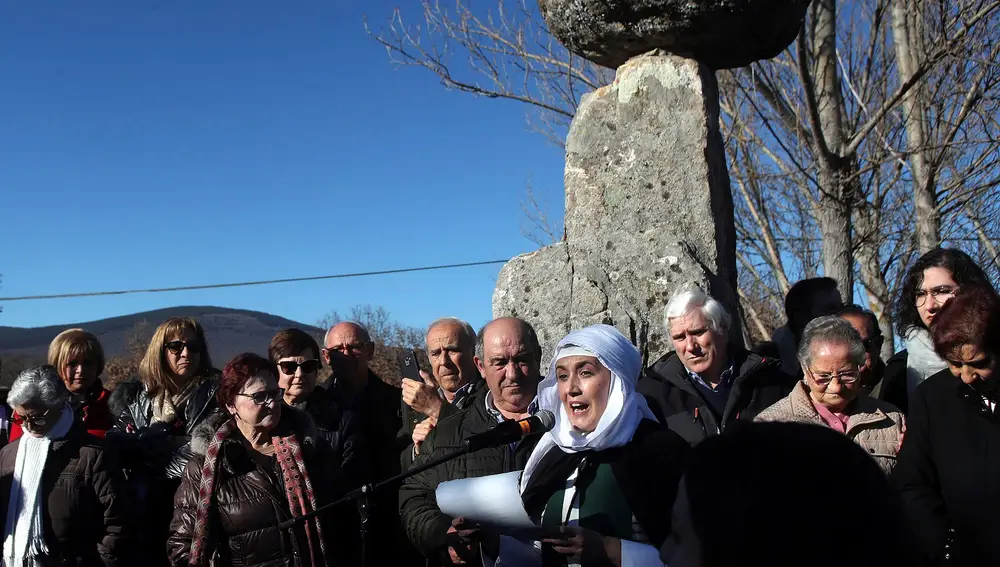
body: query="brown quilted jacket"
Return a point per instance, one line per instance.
(875, 425)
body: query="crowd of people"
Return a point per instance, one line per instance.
(804, 450)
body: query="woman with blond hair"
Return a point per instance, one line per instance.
(157, 414)
(78, 357)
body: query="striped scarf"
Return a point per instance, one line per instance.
(298, 492)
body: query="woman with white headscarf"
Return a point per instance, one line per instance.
(605, 477)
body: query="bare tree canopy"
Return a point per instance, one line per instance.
(504, 53)
(872, 139)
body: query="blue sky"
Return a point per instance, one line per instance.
(194, 142)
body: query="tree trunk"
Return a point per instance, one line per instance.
(906, 30)
(834, 217)
(836, 196)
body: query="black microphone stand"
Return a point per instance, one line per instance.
(361, 494)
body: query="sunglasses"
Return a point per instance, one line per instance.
(178, 347)
(289, 367)
(265, 396)
(31, 420)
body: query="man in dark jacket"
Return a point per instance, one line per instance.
(508, 355)
(707, 385)
(378, 407)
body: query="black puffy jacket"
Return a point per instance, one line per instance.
(156, 450)
(424, 522)
(678, 403)
(248, 502)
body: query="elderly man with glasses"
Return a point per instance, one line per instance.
(830, 394)
(348, 349)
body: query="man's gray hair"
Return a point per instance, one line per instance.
(40, 385)
(687, 299)
(468, 333)
(831, 329)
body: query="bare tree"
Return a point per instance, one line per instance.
(503, 53)
(117, 369)
(540, 224)
(867, 148)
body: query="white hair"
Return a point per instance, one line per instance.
(40, 385)
(831, 329)
(687, 299)
(467, 330)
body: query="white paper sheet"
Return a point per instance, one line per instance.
(492, 501)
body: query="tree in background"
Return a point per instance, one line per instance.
(120, 368)
(870, 140)
(14, 364)
(390, 337)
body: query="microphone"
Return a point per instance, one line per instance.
(510, 431)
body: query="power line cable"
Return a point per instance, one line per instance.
(260, 282)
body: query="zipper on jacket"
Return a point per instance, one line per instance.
(698, 419)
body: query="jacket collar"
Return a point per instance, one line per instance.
(861, 411)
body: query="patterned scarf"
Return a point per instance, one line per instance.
(165, 407)
(298, 492)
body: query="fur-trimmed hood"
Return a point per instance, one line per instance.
(124, 394)
(299, 421)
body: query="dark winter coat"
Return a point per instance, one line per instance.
(154, 455)
(156, 450)
(677, 402)
(249, 501)
(948, 473)
(893, 388)
(339, 429)
(379, 411)
(424, 522)
(87, 521)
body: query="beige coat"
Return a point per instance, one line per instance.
(873, 424)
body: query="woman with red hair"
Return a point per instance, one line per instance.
(256, 464)
(948, 471)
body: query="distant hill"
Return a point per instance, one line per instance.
(228, 331)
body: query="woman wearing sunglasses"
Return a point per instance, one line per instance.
(62, 497)
(157, 414)
(295, 355)
(256, 464)
(830, 394)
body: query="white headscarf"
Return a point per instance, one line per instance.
(625, 409)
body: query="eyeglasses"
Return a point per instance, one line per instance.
(845, 377)
(289, 367)
(32, 420)
(939, 293)
(349, 350)
(178, 347)
(265, 396)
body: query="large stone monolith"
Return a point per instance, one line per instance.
(648, 201)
